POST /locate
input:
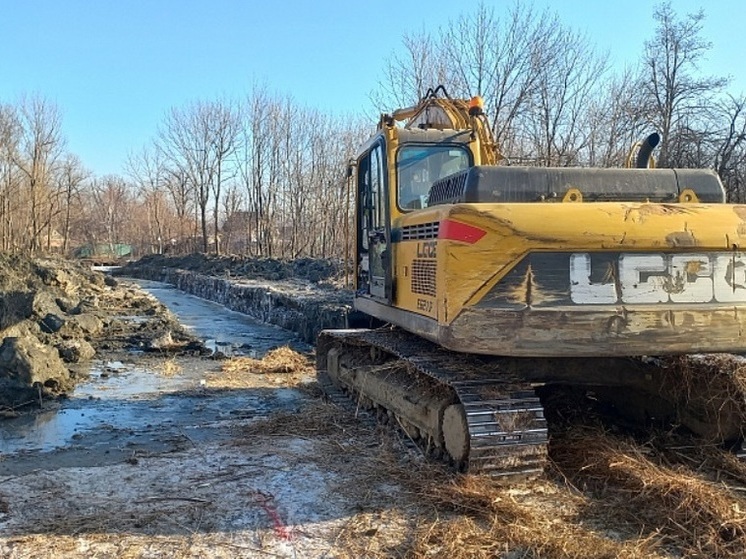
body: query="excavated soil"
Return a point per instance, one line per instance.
(269, 467)
(56, 315)
(324, 273)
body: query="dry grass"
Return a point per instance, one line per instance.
(465, 517)
(137, 546)
(725, 466)
(170, 368)
(280, 367)
(633, 501)
(317, 419)
(377, 534)
(282, 360)
(432, 512)
(604, 497)
(672, 502)
(489, 520)
(710, 390)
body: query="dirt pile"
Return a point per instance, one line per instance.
(56, 313)
(324, 272)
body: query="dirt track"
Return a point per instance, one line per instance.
(257, 463)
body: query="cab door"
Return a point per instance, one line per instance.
(373, 251)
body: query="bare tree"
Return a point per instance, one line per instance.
(150, 174)
(185, 144)
(198, 141)
(536, 76)
(10, 132)
(500, 59)
(181, 194)
(224, 129)
(292, 167)
(331, 213)
(615, 121)
(268, 174)
(408, 76)
(677, 97)
(234, 224)
(70, 177)
(569, 73)
(111, 214)
(259, 168)
(39, 148)
(730, 150)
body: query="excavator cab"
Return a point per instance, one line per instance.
(385, 192)
(394, 173)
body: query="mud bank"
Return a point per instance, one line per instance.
(296, 296)
(56, 315)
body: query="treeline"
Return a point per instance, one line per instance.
(553, 99)
(265, 175)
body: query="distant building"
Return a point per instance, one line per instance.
(104, 251)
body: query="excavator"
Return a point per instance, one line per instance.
(489, 282)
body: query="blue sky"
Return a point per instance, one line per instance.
(115, 67)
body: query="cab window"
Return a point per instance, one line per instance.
(418, 167)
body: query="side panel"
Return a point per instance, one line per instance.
(573, 279)
(416, 272)
(513, 231)
(597, 331)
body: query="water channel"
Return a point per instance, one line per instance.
(125, 408)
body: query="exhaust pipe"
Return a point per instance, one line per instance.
(647, 147)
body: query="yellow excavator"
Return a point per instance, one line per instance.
(496, 280)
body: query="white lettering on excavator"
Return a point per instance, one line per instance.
(660, 278)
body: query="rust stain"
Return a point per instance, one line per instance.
(694, 267)
(674, 284)
(541, 295)
(616, 325)
(670, 318)
(677, 283)
(521, 293)
(681, 239)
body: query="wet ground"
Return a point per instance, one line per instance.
(134, 407)
(145, 460)
(229, 332)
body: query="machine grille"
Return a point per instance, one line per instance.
(423, 277)
(420, 231)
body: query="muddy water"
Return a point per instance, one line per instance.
(221, 329)
(130, 408)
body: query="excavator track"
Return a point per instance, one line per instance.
(461, 407)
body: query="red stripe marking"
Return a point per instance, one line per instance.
(456, 231)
